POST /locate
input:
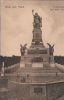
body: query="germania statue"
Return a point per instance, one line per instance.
(37, 20)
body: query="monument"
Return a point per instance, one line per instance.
(37, 53)
(39, 76)
(36, 79)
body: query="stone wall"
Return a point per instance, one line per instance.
(54, 90)
(12, 68)
(3, 88)
(28, 91)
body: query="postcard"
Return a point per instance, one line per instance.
(32, 50)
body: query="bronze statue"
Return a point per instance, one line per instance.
(37, 20)
(22, 49)
(51, 49)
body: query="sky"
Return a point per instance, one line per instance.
(17, 24)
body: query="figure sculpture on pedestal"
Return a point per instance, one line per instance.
(22, 49)
(37, 32)
(51, 49)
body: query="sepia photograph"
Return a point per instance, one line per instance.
(31, 49)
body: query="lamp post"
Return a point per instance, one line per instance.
(2, 71)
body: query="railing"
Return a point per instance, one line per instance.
(60, 67)
(12, 68)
